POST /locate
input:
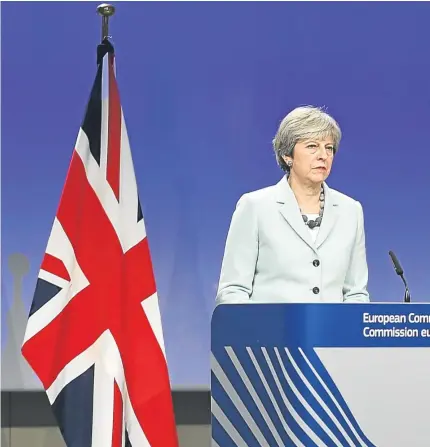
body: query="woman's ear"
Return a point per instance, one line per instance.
(288, 160)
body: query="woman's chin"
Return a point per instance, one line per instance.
(318, 177)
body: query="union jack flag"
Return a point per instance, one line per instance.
(94, 335)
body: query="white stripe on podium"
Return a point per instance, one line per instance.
(255, 396)
(303, 401)
(293, 412)
(362, 443)
(290, 433)
(226, 425)
(236, 400)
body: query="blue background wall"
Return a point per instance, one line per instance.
(203, 88)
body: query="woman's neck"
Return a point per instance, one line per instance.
(307, 195)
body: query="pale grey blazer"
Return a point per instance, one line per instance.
(270, 256)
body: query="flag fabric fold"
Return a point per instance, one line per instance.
(94, 335)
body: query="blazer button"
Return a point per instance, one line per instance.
(316, 290)
(316, 263)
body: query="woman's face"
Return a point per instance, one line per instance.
(312, 160)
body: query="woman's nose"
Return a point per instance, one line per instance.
(322, 153)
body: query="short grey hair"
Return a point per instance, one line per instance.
(302, 123)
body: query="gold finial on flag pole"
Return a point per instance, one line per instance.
(105, 10)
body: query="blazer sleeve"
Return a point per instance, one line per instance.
(240, 255)
(355, 285)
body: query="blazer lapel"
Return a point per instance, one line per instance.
(290, 210)
(329, 217)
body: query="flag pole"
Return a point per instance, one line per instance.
(106, 11)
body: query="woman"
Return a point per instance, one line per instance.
(299, 240)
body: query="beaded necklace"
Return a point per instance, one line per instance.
(317, 222)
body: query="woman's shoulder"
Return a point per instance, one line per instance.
(258, 196)
(344, 200)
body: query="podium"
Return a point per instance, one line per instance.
(320, 375)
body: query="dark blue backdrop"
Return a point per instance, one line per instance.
(203, 87)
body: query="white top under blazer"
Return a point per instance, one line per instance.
(271, 256)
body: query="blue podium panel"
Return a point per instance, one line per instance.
(321, 375)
